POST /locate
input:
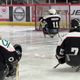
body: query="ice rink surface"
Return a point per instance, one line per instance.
(38, 57)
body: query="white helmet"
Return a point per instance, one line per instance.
(52, 11)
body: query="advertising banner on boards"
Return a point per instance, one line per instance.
(75, 11)
(4, 13)
(19, 14)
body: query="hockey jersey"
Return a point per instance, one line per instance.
(52, 20)
(70, 44)
(7, 52)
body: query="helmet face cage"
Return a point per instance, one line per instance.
(75, 25)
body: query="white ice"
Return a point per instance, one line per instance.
(39, 59)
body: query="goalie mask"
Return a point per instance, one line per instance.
(75, 25)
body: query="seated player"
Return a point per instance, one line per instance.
(9, 57)
(52, 20)
(70, 45)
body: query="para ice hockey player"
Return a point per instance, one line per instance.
(52, 22)
(9, 57)
(68, 49)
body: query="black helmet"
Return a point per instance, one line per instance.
(75, 25)
(18, 49)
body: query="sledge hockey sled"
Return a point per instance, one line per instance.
(15, 74)
(73, 60)
(51, 32)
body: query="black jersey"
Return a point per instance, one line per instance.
(70, 44)
(7, 52)
(52, 21)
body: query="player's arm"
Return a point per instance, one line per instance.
(60, 52)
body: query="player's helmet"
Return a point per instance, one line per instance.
(18, 49)
(52, 11)
(75, 25)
